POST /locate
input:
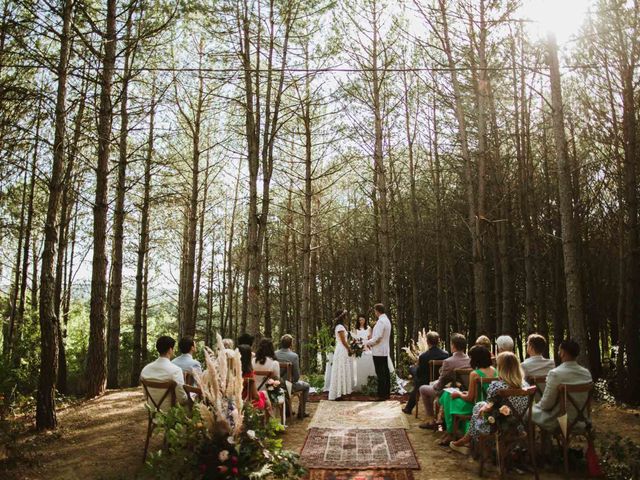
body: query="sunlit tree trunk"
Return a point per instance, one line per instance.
(96, 359)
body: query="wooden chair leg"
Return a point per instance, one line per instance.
(532, 452)
(418, 400)
(146, 443)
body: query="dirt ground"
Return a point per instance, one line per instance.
(103, 439)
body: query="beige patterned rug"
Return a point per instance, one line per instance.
(359, 415)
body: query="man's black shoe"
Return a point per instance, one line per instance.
(408, 412)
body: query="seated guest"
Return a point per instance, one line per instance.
(421, 373)
(265, 361)
(569, 372)
(186, 361)
(484, 341)
(536, 365)
(504, 343)
(245, 339)
(511, 376)
(250, 392)
(458, 359)
(462, 403)
(285, 354)
(162, 370)
(229, 346)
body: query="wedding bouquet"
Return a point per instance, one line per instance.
(356, 346)
(275, 391)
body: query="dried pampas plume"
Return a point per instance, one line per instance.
(415, 349)
(221, 384)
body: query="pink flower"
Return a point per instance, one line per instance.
(505, 410)
(223, 469)
(234, 460)
(234, 470)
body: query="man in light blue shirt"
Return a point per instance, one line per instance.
(186, 361)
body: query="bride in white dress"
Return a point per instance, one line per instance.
(364, 364)
(342, 366)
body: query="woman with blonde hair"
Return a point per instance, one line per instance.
(511, 376)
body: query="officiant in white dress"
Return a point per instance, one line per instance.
(364, 367)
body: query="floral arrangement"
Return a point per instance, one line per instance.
(275, 391)
(356, 346)
(415, 349)
(221, 438)
(499, 416)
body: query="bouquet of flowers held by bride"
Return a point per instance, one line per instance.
(356, 346)
(275, 391)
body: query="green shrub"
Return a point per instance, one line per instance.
(192, 454)
(619, 457)
(316, 380)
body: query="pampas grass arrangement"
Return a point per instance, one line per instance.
(221, 384)
(415, 349)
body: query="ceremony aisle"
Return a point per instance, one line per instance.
(436, 463)
(365, 437)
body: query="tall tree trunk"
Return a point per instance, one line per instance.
(143, 248)
(231, 284)
(189, 326)
(115, 290)
(479, 286)
(381, 174)
(266, 288)
(96, 358)
(196, 293)
(632, 231)
(26, 247)
(45, 406)
(570, 238)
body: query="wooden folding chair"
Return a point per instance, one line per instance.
(434, 366)
(578, 426)
(188, 378)
(288, 370)
(538, 381)
(520, 431)
(458, 418)
(268, 374)
(155, 407)
(193, 393)
(461, 376)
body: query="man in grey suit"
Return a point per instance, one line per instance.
(536, 365)
(285, 354)
(458, 359)
(546, 411)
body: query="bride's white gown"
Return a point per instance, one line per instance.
(364, 365)
(341, 369)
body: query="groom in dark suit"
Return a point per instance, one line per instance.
(379, 344)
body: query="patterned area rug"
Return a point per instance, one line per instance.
(358, 449)
(360, 475)
(359, 415)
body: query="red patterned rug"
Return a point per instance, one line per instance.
(360, 475)
(362, 449)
